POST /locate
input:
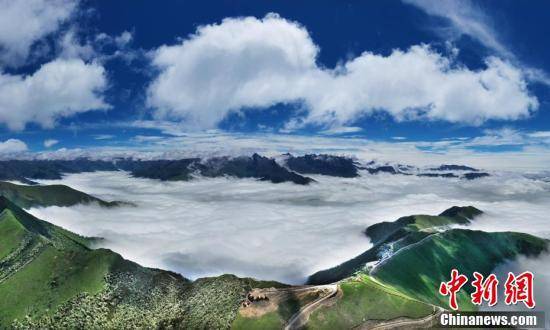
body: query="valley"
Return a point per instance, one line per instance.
(68, 280)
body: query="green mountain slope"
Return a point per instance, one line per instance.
(418, 269)
(389, 237)
(51, 278)
(362, 300)
(48, 195)
(414, 254)
(404, 225)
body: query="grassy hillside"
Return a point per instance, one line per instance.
(274, 312)
(454, 215)
(50, 278)
(418, 269)
(389, 237)
(362, 299)
(48, 195)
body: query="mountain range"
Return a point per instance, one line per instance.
(285, 168)
(52, 278)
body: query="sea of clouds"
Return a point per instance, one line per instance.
(284, 232)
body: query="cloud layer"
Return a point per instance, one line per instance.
(256, 63)
(280, 231)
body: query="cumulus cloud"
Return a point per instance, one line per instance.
(23, 22)
(279, 231)
(256, 63)
(12, 146)
(50, 143)
(60, 88)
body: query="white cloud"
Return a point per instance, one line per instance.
(123, 39)
(71, 47)
(50, 143)
(12, 146)
(255, 63)
(341, 130)
(23, 22)
(498, 137)
(60, 88)
(531, 156)
(273, 231)
(540, 134)
(467, 18)
(103, 136)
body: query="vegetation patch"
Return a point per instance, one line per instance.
(362, 300)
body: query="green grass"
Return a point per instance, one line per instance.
(393, 236)
(364, 299)
(51, 279)
(268, 321)
(429, 221)
(278, 318)
(11, 233)
(47, 195)
(419, 269)
(43, 266)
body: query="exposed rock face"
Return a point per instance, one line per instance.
(293, 169)
(473, 176)
(323, 164)
(447, 167)
(256, 166)
(257, 295)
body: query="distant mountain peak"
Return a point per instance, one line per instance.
(468, 212)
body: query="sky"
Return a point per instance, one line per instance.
(432, 78)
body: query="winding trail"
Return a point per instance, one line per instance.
(409, 323)
(300, 318)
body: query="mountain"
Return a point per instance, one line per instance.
(406, 233)
(52, 278)
(322, 164)
(356, 302)
(395, 283)
(388, 237)
(452, 167)
(255, 166)
(263, 168)
(443, 171)
(415, 223)
(48, 195)
(289, 169)
(23, 170)
(418, 270)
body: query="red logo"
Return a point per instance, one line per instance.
(452, 287)
(517, 289)
(485, 290)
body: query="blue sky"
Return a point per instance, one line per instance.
(139, 74)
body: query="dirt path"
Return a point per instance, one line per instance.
(408, 323)
(300, 318)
